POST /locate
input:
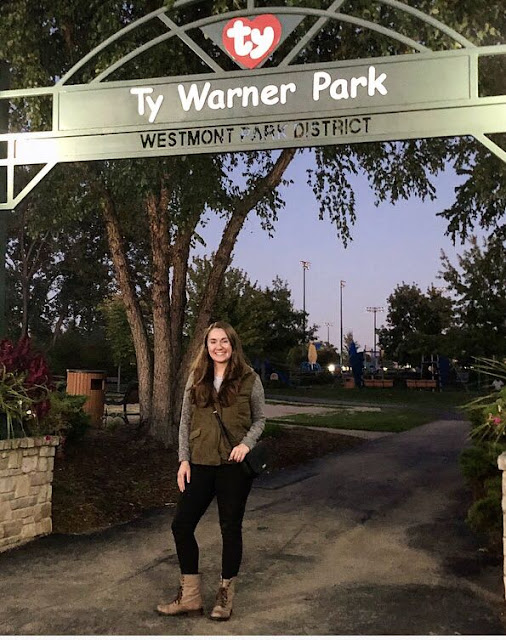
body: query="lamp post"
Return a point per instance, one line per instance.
(375, 310)
(328, 324)
(305, 266)
(342, 284)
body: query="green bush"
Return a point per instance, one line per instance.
(479, 462)
(66, 416)
(475, 415)
(485, 515)
(317, 378)
(487, 413)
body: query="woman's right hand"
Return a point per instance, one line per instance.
(183, 474)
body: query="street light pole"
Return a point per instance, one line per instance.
(305, 266)
(328, 324)
(4, 126)
(342, 284)
(375, 310)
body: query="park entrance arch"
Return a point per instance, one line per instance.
(256, 92)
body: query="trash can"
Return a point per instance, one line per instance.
(85, 382)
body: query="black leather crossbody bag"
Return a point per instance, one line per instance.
(255, 461)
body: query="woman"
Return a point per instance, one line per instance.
(220, 381)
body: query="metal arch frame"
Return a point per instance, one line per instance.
(174, 30)
(232, 14)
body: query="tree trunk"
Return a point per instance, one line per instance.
(243, 206)
(163, 376)
(160, 423)
(58, 326)
(180, 257)
(132, 307)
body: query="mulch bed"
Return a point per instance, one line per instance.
(108, 478)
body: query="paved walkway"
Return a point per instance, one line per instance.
(370, 541)
(285, 410)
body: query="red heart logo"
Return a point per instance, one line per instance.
(250, 42)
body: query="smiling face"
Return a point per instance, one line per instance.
(219, 348)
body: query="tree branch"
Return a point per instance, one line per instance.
(243, 205)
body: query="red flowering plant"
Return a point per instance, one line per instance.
(25, 386)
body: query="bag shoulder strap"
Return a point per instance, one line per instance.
(222, 427)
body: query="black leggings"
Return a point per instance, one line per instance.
(231, 487)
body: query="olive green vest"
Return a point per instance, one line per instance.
(207, 444)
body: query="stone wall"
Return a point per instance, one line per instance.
(501, 463)
(26, 474)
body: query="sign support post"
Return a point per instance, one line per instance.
(4, 124)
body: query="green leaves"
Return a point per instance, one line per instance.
(14, 401)
(478, 284)
(469, 324)
(117, 330)
(488, 413)
(265, 319)
(416, 324)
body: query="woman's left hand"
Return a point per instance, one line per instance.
(239, 453)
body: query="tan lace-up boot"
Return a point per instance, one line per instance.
(224, 600)
(188, 600)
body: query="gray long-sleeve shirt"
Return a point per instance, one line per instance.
(257, 404)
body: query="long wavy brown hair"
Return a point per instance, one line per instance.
(202, 390)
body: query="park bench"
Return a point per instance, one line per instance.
(131, 396)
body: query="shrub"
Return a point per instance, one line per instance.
(66, 417)
(29, 403)
(30, 369)
(316, 378)
(491, 424)
(25, 384)
(479, 462)
(15, 404)
(485, 515)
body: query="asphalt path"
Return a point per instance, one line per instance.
(370, 541)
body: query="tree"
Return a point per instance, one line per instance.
(57, 269)
(173, 194)
(239, 302)
(118, 331)
(266, 319)
(478, 284)
(347, 340)
(81, 349)
(151, 209)
(416, 323)
(282, 324)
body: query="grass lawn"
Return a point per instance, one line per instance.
(396, 420)
(449, 400)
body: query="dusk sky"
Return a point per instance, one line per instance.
(391, 244)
